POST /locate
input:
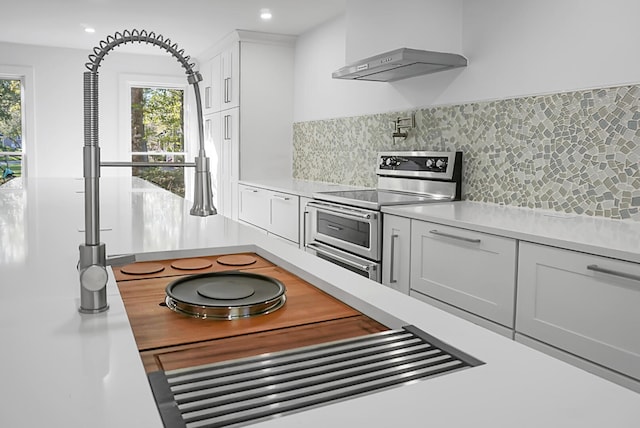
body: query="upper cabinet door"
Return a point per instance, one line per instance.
(230, 79)
(211, 85)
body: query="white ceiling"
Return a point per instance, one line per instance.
(194, 24)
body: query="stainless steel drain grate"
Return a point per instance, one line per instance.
(239, 392)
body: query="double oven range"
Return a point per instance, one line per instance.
(345, 227)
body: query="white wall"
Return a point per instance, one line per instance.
(377, 26)
(514, 48)
(56, 147)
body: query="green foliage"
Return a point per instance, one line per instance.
(10, 111)
(171, 179)
(162, 112)
(157, 121)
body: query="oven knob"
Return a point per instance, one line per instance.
(392, 162)
(441, 163)
(429, 163)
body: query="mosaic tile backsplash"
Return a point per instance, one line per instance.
(575, 152)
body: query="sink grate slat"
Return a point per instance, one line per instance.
(243, 391)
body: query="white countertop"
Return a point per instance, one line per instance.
(618, 239)
(61, 368)
(297, 187)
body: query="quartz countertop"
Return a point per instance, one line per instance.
(618, 239)
(297, 187)
(61, 368)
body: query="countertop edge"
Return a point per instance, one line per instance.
(531, 225)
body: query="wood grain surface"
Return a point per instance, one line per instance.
(169, 270)
(168, 340)
(177, 357)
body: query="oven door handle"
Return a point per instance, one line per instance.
(337, 210)
(338, 257)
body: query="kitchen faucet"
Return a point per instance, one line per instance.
(93, 262)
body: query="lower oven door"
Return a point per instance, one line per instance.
(356, 264)
(354, 230)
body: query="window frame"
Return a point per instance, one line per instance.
(26, 77)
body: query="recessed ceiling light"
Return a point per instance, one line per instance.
(89, 30)
(265, 14)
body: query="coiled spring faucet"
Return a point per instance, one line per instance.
(92, 263)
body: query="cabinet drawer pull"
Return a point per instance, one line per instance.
(597, 268)
(461, 238)
(227, 127)
(207, 97)
(332, 255)
(392, 261)
(282, 198)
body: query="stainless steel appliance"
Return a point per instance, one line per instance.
(345, 227)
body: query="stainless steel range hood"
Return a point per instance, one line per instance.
(400, 64)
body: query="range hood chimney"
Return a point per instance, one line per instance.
(400, 64)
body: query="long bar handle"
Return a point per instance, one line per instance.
(227, 126)
(597, 268)
(305, 228)
(227, 90)
(174, 164)
(461, 238)
(392, 259)
(344, 260)
(339, 211)
(207, 97)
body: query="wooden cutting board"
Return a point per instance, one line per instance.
(167, 339)
(155, 326)
(213, 351)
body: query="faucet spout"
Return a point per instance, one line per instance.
(92, 263)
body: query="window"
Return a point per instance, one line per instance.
(157, 135)
(11, 125)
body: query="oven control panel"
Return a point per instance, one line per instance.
(427, 163)
(420, 164)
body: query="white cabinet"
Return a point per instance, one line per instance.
(584, 304)
(230, 168)
(230, 77)
(250, 81)
(275, 212)
(469, 270)
(211, 85)
(284, 215)
(396, 252)
(254, 206)
(222, 146)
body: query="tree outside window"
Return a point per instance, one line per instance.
(10, 129)
(157, 135)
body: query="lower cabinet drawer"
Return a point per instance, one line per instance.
(584, 304)
(470, 270)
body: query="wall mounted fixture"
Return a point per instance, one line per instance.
(402, 125)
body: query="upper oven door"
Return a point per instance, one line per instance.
(351, 229)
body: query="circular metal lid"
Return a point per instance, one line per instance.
(225, 295)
